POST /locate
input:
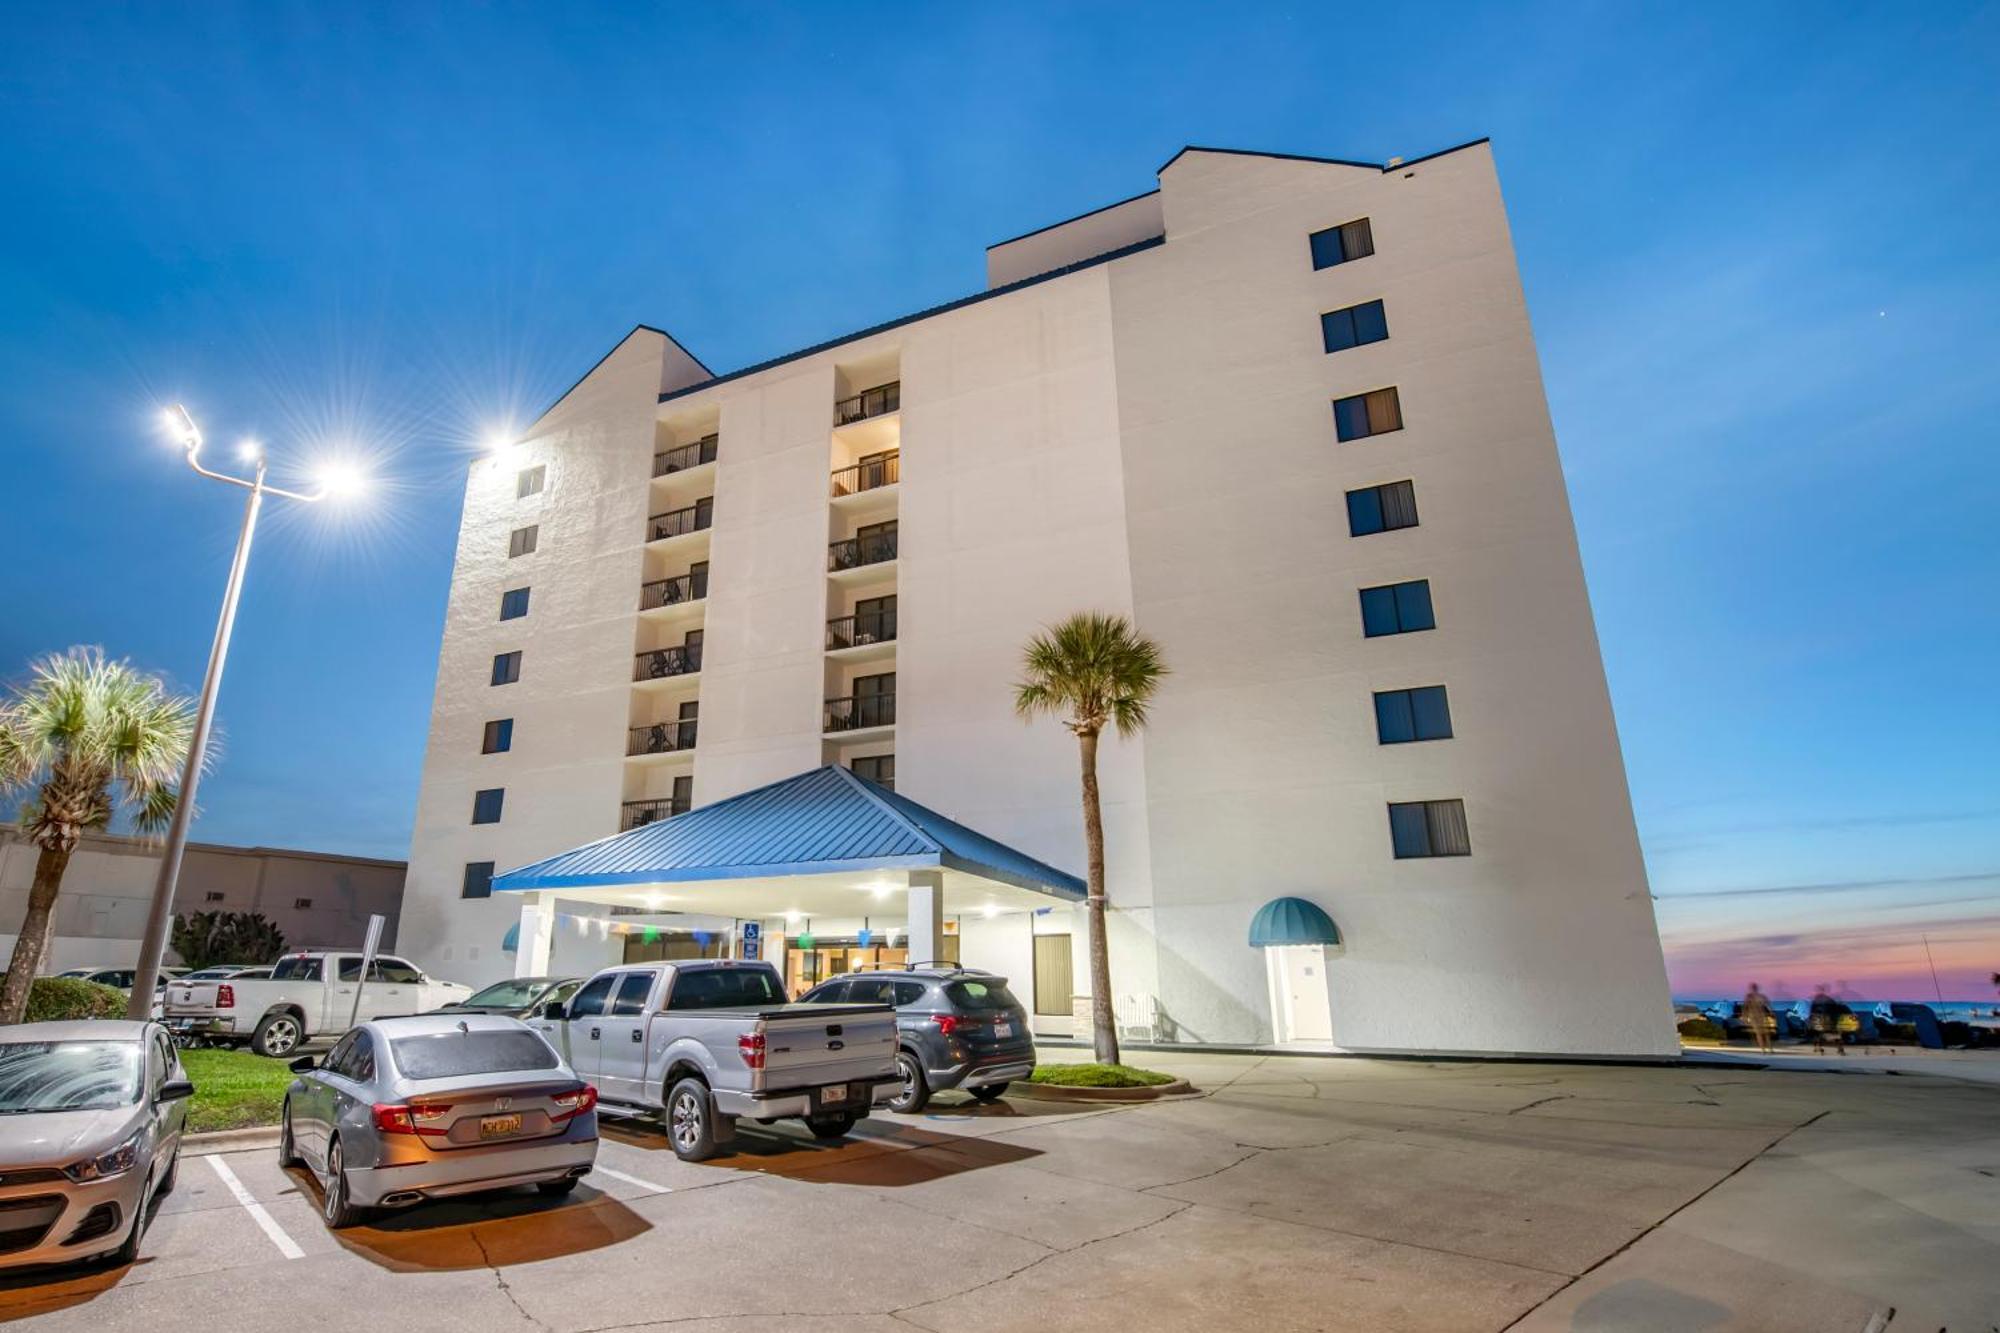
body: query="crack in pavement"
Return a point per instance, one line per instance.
(1559, 1097)
(500, 1279)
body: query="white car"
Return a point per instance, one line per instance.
(308, 996)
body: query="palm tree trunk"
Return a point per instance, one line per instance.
(33, 943)
(1104, 1025)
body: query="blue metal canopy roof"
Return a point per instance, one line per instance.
(823, 821)
(1291, 921)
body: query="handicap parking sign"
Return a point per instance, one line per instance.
(753, 939)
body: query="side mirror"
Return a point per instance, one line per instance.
(305, 1064)
(174, 1090)
(554, 1011)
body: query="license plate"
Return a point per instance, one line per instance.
(1003, 1029)
(493, 1126)
(835, 1092)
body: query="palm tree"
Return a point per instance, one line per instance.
(1089, 671)
(88, 736)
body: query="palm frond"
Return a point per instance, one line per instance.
(1091, 669)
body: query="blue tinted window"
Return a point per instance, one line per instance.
(478, 880)
(1350, 418)
(1378, 611)
(1396, 608)
(1408, 832)
(1336, 329)
(1357, 324)
(1393, 723)
(1337, 245)
(1326, 248)
(1413, 605)
(486, 805)
(499, 737)
(1431, 713)
(1382, 508)
(1371, 323)
(1421, 714)
(1364, 512)
(1429, 828)
(506, 668)
(513, 603)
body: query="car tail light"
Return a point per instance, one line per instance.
(751, 1047)
(570, 1105)
(225, 996)
(946, 1023)
(393, 1119)
(415, 1118)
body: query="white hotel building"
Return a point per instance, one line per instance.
(1286, 413)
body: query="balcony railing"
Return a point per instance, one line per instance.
(861, 710)
(664, 662)
(853, 631)
(878, 401)
(855, 552)
(662, 737)
(868, 474)
(679, 522)
(672, 592)
(637, 814)
(685, 457)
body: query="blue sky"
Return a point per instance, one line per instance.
(1758, 245)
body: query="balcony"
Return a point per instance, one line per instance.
(666, 663)
(867, 475)
(638, 814)
(861, 712)
(871, 548)
(875, 627)
(680, 522)
(691, 587)
(661, 738)
(685, 457)
(876, 402)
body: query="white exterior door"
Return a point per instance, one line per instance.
(1301, 1005)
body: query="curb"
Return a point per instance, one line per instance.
(1052, 1092)
(229, 1140)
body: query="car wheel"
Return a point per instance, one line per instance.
(338, 1209)
(832, 1126)
(128, 1253)
(288, 1147)
(558, 1188)
(277, 1035)
(173, 1175)
(992, 1092)
(691, 1121)
(910, 1098)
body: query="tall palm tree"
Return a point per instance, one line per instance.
(87, 736)
(1090, 671)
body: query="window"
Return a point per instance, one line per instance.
(632, 993)
(499, 737)
(506, 667)
(1337, 245)
(394, 971)
(1382, 508)
(301, 904)
(870, 990)
(1429, 828)
(211, 897)
(725, 988)
(833, 992)
(297, 969)
(877, 768)
(478, 880)
(529, 482)
(1355, 325)
(1420, 714)
(486, 805)
(464, 1054)
(1376, 412)
(521, 541)
(909, 992)
(513, 603)
(589, 1002)
(1397, 608)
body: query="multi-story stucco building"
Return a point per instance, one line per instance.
(1284, 412)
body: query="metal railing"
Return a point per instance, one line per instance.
(868, 474)
(861, 710)
(679, 522)
(662, 737)
(855, 552)
(685, 457)
(664, 662)
(853, 631)
(878, 401)
(638, 814)
(672, 592)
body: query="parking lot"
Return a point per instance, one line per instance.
(1293, 1194)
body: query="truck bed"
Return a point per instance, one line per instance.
(771, 1011)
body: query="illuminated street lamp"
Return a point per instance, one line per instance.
(333, 481)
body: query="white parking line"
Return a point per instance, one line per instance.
(603, 1170)
(286, 1245)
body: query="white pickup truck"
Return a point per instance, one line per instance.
(309, 995)
(703, 1042)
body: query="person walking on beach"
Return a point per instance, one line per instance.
(1757, 1016)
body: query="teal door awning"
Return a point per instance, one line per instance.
(1291, 921)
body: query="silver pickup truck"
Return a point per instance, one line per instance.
(704, 1042)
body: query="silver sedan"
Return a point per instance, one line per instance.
(403, 1110)
(90, 1135)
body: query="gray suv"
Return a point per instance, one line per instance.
(956, 1027)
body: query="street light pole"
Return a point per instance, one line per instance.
(153, 945)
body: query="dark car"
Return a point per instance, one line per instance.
(955, 1028)
(517, 997)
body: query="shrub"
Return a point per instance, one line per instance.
(58, 999)
(1098, 1076)
(1698, 1028)
(203, 939)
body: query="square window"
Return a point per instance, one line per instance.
(506, 667)
(1397, 608)
(521, 541)
(1376, 412)
(486, 805)
(513, 603)
(1429, 828)
(1364, 512)
(1337, 245)
(1431, 712)
(1413, 605)
(499, 737)
(1353, 326)
(478, 880)
(1393, 723)
(530, 481)
(1382, 508)
(1421, 714)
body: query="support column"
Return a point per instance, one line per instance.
(926, 915)
(537, 938)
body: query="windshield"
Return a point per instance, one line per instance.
(68, 1075)
(455, 1054)
(991, 994)
(211, 974)
(514, 994)
(77, 972)
(725, 988)
(296, 969)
